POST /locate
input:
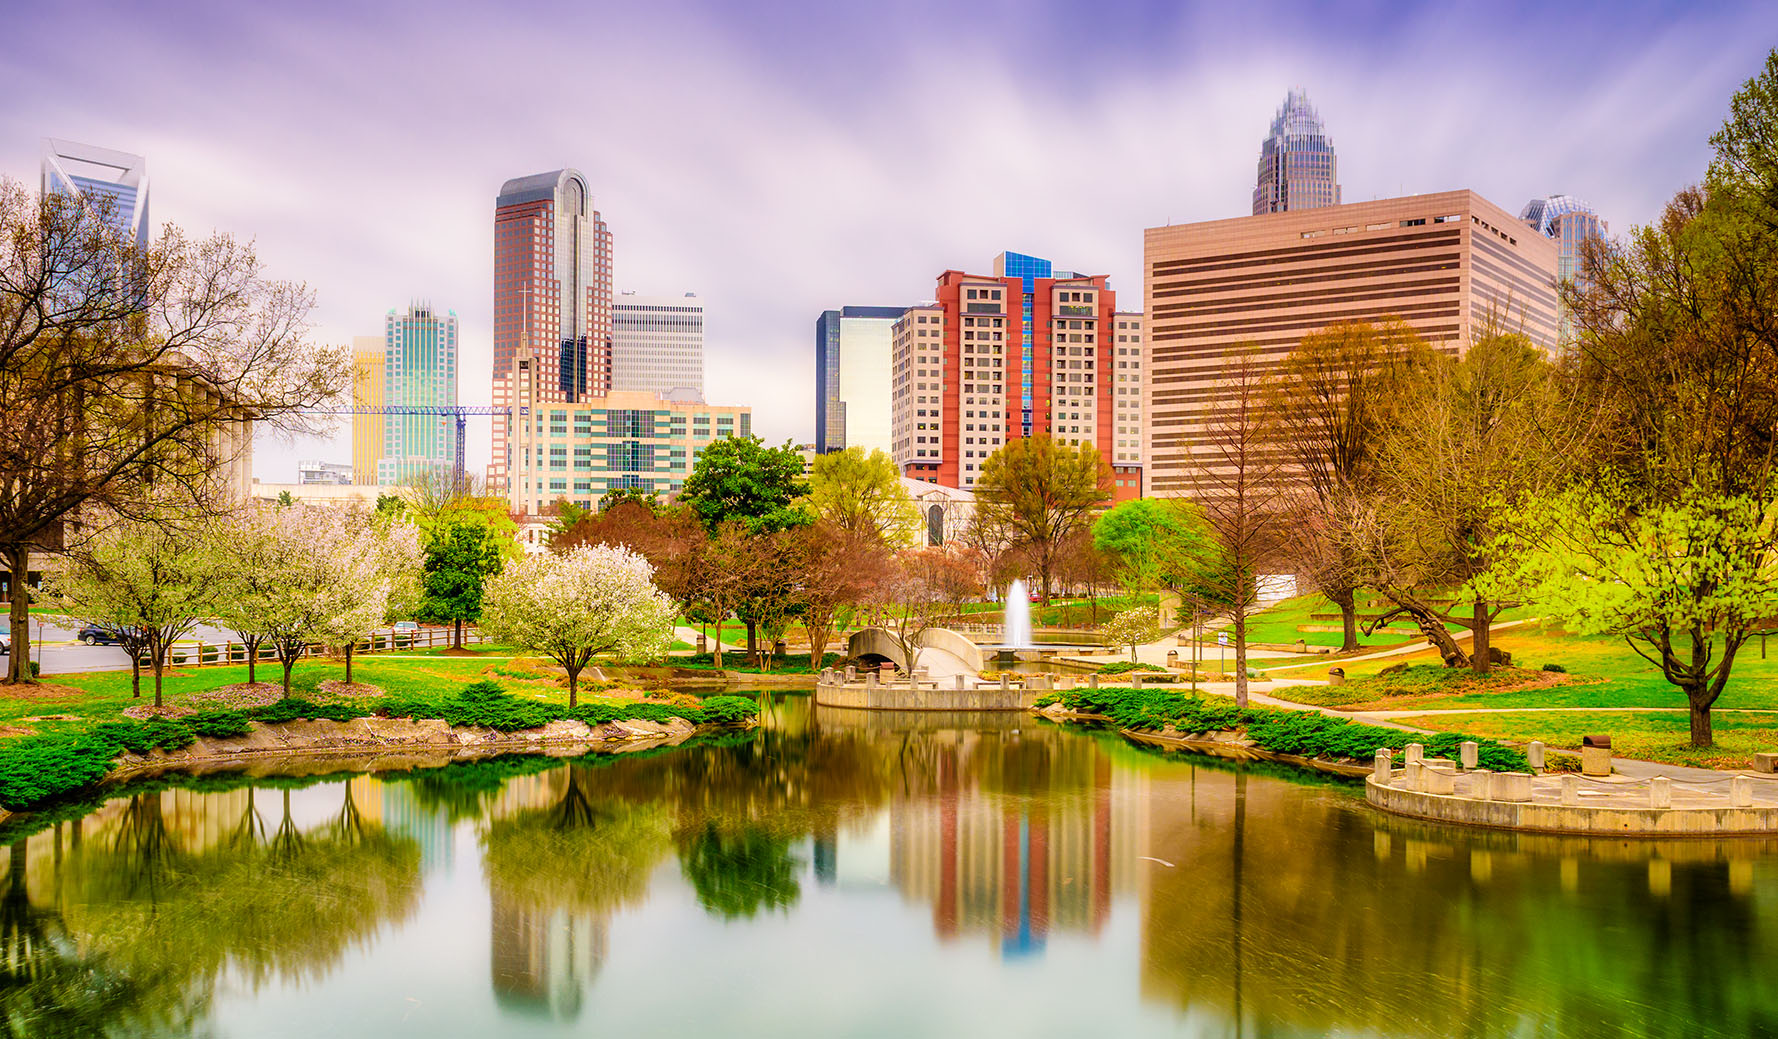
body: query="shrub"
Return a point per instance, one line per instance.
(290, 709)
(218, 725)
(36, 769)
(1124, 667)
(728, 710)
(1555, 669)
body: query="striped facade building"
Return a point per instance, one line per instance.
(1450, 264)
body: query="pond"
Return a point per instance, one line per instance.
(854, 874)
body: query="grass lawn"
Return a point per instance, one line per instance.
(1284, 621)
(1651, 736)
(418, 674)
(792, 664)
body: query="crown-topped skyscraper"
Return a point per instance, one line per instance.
(1297, 167)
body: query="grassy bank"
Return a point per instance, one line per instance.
(63, 737)
(1308, 734)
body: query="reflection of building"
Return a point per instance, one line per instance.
(543, 961)
(428, 827)
(852, 347)
(1024, 351)
(1297, 166)
(90, 174)
(657, 343)
(1041, 854)
(1453, 266)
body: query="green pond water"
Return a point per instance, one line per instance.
(855, 874)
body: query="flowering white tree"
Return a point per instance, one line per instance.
(303, 575)
(147, 583)
(1133, 628)
(592, 600)
(379, 562)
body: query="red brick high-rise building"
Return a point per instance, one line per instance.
(1008, 355)
(552, 285)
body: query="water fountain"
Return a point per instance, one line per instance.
(1015, 625)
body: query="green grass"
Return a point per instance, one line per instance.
(792, 664)
(1284, 621)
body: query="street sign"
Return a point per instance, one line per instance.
(1222, 638)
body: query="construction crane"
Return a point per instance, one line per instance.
(459, 412)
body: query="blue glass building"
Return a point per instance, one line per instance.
(1572, 223)
(90, 174)
(1028, 269)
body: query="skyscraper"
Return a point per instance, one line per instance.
(852, 403)
(367, 392)
(1572, 223)
(90, 173)
(419, 371)
(1297, 167)
(1025, 351)
(552, 286)
(657, 343)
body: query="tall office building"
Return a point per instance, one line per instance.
(1572, 223)
(91, 173)
(852, 405)
(367, 392)
(419, 371)
(1129, 428)
(552, 288)
(1452, 265)
(657, 343)
(1002, 356)
(1297, 167)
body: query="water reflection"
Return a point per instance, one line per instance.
(920, 869)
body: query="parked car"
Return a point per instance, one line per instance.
(405, 632)
(93, 635)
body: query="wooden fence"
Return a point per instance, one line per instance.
(198, 653)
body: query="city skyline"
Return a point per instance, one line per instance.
(772, 168)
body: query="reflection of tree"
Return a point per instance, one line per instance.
(582, 852)
(290, 906)
(738, 873)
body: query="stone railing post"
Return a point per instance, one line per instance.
(1570, 791)
(1383, 770)
(1469, 754)
(1413, 752)
(1741, 792)
(1534, 755)
(1660, 792)
(1092, 681)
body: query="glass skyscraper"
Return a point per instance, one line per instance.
(1028, 269)
(419, 370)
(1297, 166)
(657, 343)
(852, 400)
(89, 173)
(1572, 223)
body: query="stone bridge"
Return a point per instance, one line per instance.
(942, 653)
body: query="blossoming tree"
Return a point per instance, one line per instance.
(595, 599)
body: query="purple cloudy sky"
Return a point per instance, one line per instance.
(780, 159)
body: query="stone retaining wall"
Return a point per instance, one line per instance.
(902, 698)
(1580, 819)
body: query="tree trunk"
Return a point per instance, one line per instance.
(1133, 653)
(573, 686)
(1478, 648)
(752, 642)
(160, 663)
(252, 658)
(1348, 604)
(288, 659)
(18, 664)
(1701, 735)
(136, 675)
(457, 634)
(349, 646)
(1241, 657)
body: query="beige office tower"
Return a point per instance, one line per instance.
(367, 392)
(1129, 429)
(1451, 265)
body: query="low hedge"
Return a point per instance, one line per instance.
(1124, 667)
(1308, 734)
(36, 770)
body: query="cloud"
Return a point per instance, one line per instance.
(783, 159)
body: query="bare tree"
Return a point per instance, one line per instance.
(1038, 491)
(1238, 480)
(1335, 396)
(128, 375)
